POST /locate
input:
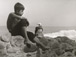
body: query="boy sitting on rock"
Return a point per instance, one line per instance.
(17, 25)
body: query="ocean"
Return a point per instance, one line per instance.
(47, 29)
(51, 29)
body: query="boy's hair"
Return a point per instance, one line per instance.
(18, 6)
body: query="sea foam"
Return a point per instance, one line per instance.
(68, 33)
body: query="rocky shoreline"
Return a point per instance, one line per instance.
(60, 46)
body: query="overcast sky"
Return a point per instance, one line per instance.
(48, 12)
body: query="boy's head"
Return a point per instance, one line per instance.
(19, 8)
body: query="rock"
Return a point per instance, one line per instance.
(33, 48)
(44, 40)
(53, 44)
(59, 46)
(65, 46)
(13, 50)
(2, 45)
(59, 52)
(2, 48)
(74, 52)
(68, 54)
(17, 41)
(5, 38)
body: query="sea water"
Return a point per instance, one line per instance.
(46, 29)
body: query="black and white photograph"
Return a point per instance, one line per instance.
(37, 28)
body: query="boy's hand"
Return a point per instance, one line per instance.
(23, 17)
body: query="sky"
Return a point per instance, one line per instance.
(47, 12)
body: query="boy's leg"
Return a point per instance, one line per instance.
(43, 47)
(23, 28)
(24, 33)
(25, 36)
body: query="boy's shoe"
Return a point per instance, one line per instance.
(28, 45)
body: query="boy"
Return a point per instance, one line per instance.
(17, 25)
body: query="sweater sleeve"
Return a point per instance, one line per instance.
(24, 22)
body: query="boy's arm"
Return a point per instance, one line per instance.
(16, 16)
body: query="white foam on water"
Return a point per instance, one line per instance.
(68, 33)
